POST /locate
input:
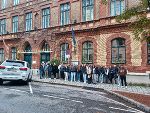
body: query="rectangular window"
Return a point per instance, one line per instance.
(1, 55)
(13, 53)
(3, 26)
(16, 2)
(117, 7)
(3, 4)
(118, 55)
(28, 21)
(64, 52)
(15, 24)
(46, 18)
(65, 14)
(87, 10)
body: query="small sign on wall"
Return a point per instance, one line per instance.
(33, 62)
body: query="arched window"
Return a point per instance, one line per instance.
(45, 47)
(118, 51)
(87, 52)
(64, 52)
(13, 53)
(148, 52)
(28, 48)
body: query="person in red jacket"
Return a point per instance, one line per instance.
(122, 74)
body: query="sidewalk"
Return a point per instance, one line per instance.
(137, 95)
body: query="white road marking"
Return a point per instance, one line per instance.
(62, 98)
(126, 110)
(16, 90)
(31, 91)
(124, 105)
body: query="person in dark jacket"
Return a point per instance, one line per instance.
(113, 73)
(62, 69)
(41, 69)
(73, 72)
(49, 70)
(122, 74)
(55, 70)
(78, 73)
(101, 76)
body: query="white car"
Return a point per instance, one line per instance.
(11, 70)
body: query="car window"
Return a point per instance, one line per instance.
(14, 63)
(28, 65)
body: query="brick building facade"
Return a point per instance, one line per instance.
(97, 31)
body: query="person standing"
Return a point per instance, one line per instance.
(89, 73)
(49, 70)
(122, 74)
(46, 70)
(73, 73)
(66, 72)
(106, 73)
(101, 76)
(55, 70)
(94, 74)
(41, 69)
(83, 70)
(78, 73)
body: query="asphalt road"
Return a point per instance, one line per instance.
(47, 98)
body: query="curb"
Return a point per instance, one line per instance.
(72, 85)
(133, 102)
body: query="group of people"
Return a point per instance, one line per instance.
(85, 73)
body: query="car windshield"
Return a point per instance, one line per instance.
(13, 63)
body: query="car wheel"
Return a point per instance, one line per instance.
(1, 82)
(26, 82)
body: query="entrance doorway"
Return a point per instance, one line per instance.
(45, 52)
(28, 55)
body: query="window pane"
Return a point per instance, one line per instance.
(121, 55)
(46, 18)
(87, 10)
(117, 7)
(15, 24)
(114, 55)
(90, 45)
(85, 45)
(118, 53)
(14, 53)
(65, 14)
(64, 52)
(16, 2)
(85, 55)
(112, 9)
(122, 6)
(3, 4)
(121, 42)
(87, 52)
(2, 26)
(28, 21)
(90, 55)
